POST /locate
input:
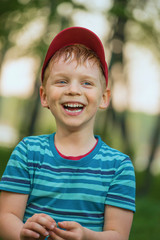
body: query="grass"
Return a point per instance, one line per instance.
(146, 220)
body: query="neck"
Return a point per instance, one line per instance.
(74, 143)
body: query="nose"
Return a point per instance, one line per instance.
(73, 88)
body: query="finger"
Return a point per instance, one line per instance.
(68, 225)
(47, 217)
(44, 216)
(63, 234)
(53, 236)
(44, 220)
(29, 234)
(35, 227)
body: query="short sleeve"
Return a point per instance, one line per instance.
(16, 176)
(122, 188)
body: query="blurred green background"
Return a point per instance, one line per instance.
(130, 32)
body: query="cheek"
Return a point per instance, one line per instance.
(94, 104)
(53, 95)
(96, 98)
(54, 98)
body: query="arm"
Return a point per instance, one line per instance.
(12, 208)
(117, 226)
(118, 222)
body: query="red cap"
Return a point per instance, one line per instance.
(77, 35)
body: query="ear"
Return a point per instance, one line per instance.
(43, 97)
(105, 99)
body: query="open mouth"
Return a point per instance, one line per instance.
(73, 107)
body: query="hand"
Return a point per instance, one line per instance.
(37, 227)
(73, 231)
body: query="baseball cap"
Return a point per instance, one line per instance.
(76, 35)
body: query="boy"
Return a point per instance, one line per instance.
(69, 185)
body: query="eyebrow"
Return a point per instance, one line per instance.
(88, 76)
(64, 74)
(58, 75)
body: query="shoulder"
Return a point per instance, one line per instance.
(114, 158)
(110, 153)
(32, 144)
(40, 139)
(32, 150)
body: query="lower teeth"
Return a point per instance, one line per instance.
(73, 111)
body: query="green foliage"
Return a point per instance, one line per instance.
(4, 157)
(14, 16)
(119, 10)
(146, 220)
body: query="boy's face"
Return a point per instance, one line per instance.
(74, 93)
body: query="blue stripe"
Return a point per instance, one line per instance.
(82, 214)
(15, 180)
(75, 189)
(58, 178)
(71, 170)
(46, 201)
(125, 199)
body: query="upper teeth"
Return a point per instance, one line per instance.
(73, 105)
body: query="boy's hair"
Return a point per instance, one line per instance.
(76, 35)
(77, 52)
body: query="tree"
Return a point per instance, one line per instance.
(122, 12)
(14, 19)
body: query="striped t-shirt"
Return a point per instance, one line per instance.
(66, 189)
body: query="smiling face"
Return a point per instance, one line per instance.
(74, 92)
